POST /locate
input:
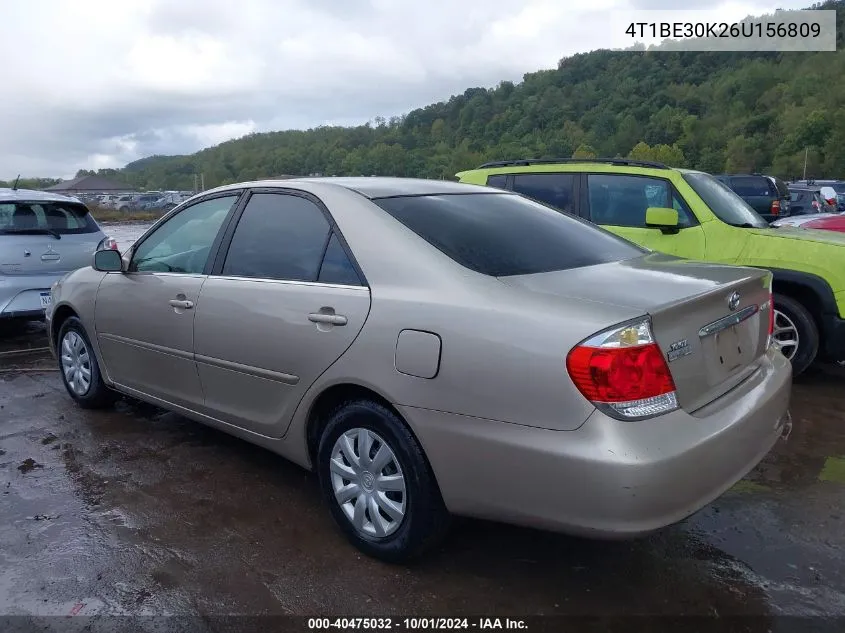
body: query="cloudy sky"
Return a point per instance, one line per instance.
(98, 83)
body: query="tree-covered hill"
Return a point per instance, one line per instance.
(737, 112)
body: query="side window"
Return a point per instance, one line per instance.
(499, 181)
(552, 189)
(686, 217)
(279, 236)
(183, 243)
(336, 267)
(617, 200)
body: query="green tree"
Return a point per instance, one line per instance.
(584, 151)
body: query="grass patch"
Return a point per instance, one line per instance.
(744, 486)
(111, 215)
(834, 470)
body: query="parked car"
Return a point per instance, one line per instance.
(807, 200)
(433, 348)
(767, 195)
(43, 236)
(801, 220)
(825, 222)
(698, 217)
(145, 202)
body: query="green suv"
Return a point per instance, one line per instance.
(691, 214)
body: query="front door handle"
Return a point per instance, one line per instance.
(324, 317)
(184, 304)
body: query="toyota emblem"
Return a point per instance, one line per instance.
(733, 301)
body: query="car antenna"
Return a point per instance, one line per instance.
(15, 185)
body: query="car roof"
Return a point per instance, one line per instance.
(31, 195)
(370, 187)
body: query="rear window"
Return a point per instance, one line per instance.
(64, 218)
(504, 234)
(724, 203)
(753, 186)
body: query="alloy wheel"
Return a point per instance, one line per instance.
(785, 335)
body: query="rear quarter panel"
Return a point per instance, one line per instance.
(77, 293)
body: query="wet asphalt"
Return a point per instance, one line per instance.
(135, 511)
(138, 511)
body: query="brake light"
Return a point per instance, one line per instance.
(775, 207)
(622, 371)
(107, 244)
(771, 306)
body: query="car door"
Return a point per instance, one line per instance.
(284, 302)
(144, 317)
(619, 202)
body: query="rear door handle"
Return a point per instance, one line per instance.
(178, 303)
(322, 317)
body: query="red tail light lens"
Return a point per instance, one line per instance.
(623, 372)
(775, 207)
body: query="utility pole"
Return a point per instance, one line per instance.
(202, 182)
(806, 149)
(196, 188)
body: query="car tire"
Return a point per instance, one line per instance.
(79, 369)
(790, 316)
(124, 209)
(424, 521)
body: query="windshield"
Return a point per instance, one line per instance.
(502, 234)
(55, 218)
(724, 203)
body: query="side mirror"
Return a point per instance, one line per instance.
(662, 218)
(108, 261)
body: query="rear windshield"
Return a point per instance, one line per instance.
(753, 186)
(62, 218)
(724, 203)
(501, 234)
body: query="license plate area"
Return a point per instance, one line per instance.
(46, 300)
(729, 350)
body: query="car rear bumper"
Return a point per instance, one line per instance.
(607, 479)
(20, 295)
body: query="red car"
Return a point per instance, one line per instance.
(830, 223)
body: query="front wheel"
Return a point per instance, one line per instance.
(378, 484)
(795, 332)
(79, 369)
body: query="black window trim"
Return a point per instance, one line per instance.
(577, 182)
(227, 235)
(239, 196)
(585, 201)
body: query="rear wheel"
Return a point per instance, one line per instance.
(378, 484)
(795, 332)
(79, 369)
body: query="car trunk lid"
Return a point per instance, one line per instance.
(711, 322)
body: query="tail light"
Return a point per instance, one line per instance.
(622, 371)
(775, 207)
(107, 244)
(770, 306)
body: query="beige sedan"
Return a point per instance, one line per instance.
(434, 349)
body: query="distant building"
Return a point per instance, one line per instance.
(90, 184)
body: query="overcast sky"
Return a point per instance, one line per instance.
(99, 83)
